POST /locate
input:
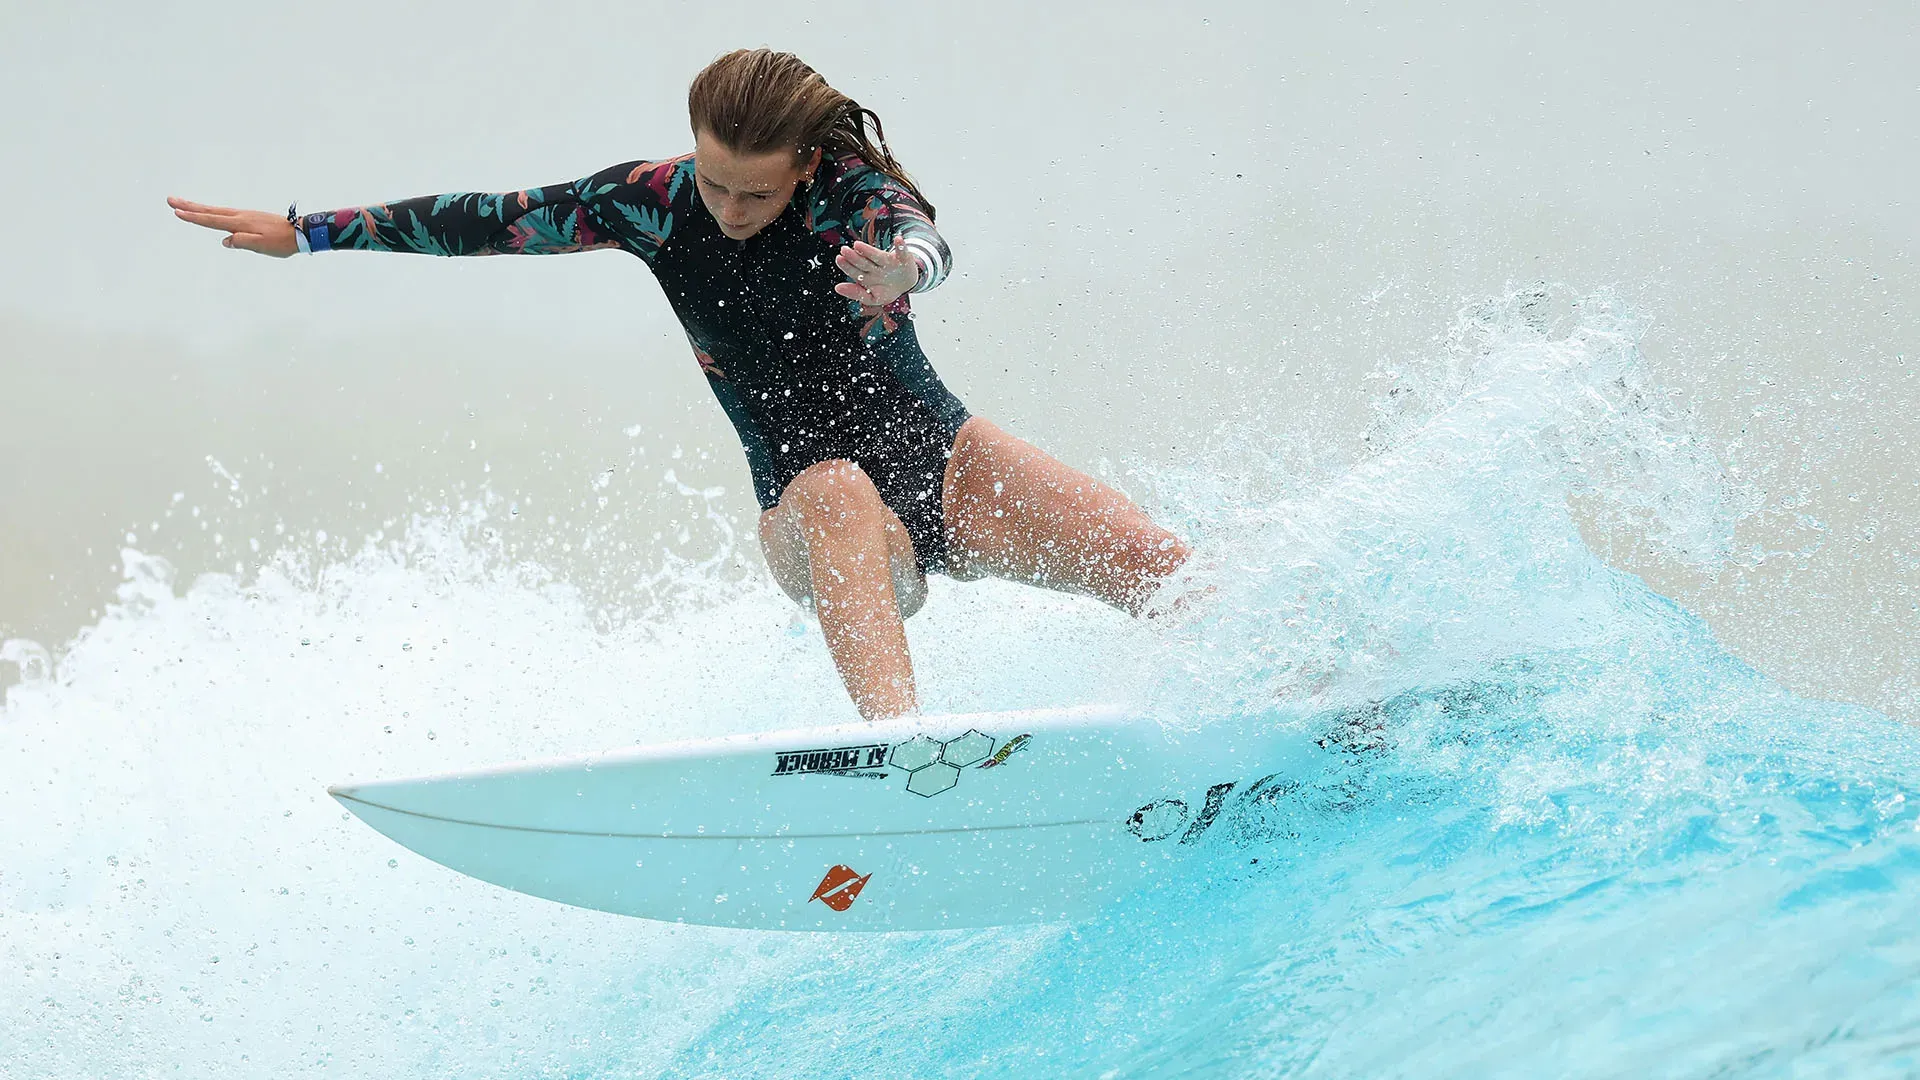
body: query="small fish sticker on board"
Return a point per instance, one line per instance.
(1013, 746)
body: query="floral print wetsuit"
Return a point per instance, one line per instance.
(804, 374)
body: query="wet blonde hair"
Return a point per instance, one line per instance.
(757, 101)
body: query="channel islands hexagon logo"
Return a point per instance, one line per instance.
(933, 766)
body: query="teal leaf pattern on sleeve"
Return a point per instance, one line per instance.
(550, 230)
(362, 230)
(421, 242)
(651, 226)
(678, 178)
(627, 206)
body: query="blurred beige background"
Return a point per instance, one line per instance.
(1146, 202)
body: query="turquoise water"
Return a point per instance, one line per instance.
(1557, 828)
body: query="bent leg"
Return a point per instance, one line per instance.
(832, 542)
(1015, 512)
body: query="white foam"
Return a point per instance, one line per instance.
(176, 890)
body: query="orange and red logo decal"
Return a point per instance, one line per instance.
(840, 887)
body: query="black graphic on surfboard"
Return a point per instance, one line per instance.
(934, 766)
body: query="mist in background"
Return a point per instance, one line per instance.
(1175, 229)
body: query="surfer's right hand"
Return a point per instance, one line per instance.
(248, 230)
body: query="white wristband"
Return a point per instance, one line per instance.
(928, 256)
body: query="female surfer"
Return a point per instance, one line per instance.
(787, 243)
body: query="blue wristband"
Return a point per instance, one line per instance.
(319, 237)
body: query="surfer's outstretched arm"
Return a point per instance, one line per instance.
(625, 206)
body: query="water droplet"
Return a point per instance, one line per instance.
(392, 863)
(431, 735)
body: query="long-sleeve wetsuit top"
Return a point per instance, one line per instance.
(804, 374)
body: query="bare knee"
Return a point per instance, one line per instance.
(833, 493)
(785, 547)
(840, 520)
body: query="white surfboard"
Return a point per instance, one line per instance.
(921, 823)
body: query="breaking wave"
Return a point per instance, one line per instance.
(1557, 828)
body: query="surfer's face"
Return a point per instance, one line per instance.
(745, 192)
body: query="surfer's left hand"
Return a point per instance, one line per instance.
(879, 277)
